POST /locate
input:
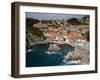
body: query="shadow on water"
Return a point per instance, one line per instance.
(38, 56)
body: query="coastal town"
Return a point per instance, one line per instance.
(60, 31)
(64, 34)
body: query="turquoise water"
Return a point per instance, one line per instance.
(38, 55)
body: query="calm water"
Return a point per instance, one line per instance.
(39, 55)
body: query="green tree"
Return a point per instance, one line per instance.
(85, 19)
(37, 34)
(73, 21)
(30, 22)
(87, 35)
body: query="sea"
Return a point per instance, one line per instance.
(38, 55)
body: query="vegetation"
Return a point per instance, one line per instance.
(73, 21)
(85, 17)
(33, 33)
(87, 35)
(30, 22)
(85, 20)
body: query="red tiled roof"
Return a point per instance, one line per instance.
(75, 35)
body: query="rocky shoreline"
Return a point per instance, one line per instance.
(81, 55)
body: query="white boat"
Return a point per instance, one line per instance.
(29, 50)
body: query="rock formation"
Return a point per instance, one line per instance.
(53, 47)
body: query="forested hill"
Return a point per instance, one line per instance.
(33, 34)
